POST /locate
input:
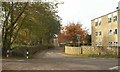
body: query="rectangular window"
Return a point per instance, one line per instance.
(116, 43)
(115, 18)
(100, 33)
(96, 33)
(109, 20)
(100, 23)
(116, 31)
(110, 43)
(96, 23)
(110, 32)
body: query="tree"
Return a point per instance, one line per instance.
(71, 32)
(28, 23)
(13, 13)
(61, 37)
(41, 22)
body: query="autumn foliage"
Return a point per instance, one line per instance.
(70, 32)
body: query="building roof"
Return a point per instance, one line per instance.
(105, 14)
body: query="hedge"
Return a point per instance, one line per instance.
(21, 51)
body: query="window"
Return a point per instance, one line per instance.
(110, 43)
(96, 33)
(109, 20)
(115, 18)
(100, 23)
(116, 31)
(96, 23)
(98, 44)
(109, 32)
(115, 43)
(100, 33)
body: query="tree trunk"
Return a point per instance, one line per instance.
(6, 46)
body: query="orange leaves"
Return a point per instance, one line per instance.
(71, 31)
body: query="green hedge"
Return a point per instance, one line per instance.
(21, 51)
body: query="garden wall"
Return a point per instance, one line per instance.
(91, 50)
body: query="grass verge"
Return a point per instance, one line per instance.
(95, 55)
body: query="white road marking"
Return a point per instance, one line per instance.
(114, 68)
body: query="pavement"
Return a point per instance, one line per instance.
(55, 59)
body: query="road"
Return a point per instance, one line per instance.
(55, 59)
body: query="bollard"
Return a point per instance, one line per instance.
(8, 53)
(27, 54)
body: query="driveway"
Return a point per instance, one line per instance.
(55, 59)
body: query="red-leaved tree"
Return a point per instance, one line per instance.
(71, 32)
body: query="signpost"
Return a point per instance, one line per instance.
(78, 37)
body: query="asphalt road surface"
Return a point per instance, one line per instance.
(55, 59)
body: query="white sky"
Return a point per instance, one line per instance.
(84, 11)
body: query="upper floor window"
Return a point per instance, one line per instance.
(109, 20)
(100, 33)
(96, 33)
(99, 23)
(96, 23)
(116, 31)
(115, 18)
(109, 32)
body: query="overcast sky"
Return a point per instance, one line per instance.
(84, 11)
